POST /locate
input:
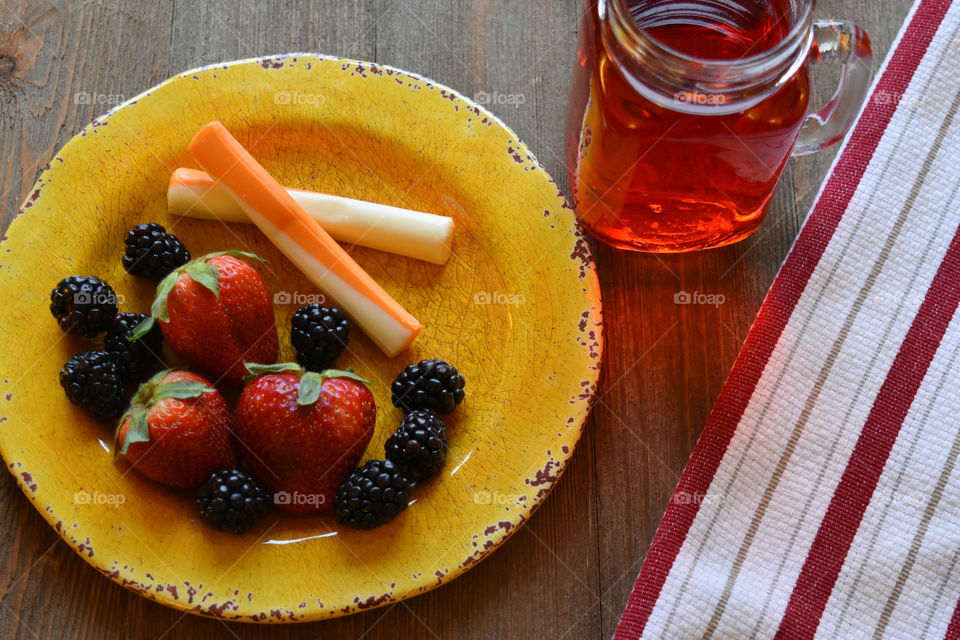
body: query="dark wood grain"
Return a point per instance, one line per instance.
(568, 572)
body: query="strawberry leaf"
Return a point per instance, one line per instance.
(142, 329)
(337, 373)
(159, 307)
(205, 274)
(236, 254)
(154, 380)
(310, 384)
(143, 398)
(138, 431)
(180, 389)
(254, 369)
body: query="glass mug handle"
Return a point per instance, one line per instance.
(844, 43)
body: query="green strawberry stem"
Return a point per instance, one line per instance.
(310, 381)
(149, 394)
(254, 369)
(205, 274)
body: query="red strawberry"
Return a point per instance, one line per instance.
(302, 432)
(177, 430)
(217, 311)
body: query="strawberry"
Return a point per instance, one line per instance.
(217, 311)
(301, 431)
(177, 430)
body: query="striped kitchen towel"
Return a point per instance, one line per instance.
(823, 498)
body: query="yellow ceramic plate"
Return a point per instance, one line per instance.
(517, 309)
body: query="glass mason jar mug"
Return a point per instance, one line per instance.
(682, 115)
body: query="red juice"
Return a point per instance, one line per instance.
(654, 178)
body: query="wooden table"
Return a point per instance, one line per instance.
(568, 572)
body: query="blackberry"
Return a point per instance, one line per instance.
(150, 252)
(135, 358)
(92, 381)
(419, 445)
(83, 305)
(429, 384)
(371, 495)
(231, 500)
(319, 335)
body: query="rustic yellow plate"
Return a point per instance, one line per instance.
(517, 309)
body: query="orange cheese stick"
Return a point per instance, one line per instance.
(302, 240)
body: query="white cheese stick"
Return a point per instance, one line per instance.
(415, 234)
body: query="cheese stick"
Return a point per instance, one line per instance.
(414, 234)
(302, 240)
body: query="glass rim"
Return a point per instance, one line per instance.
(791, 40)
